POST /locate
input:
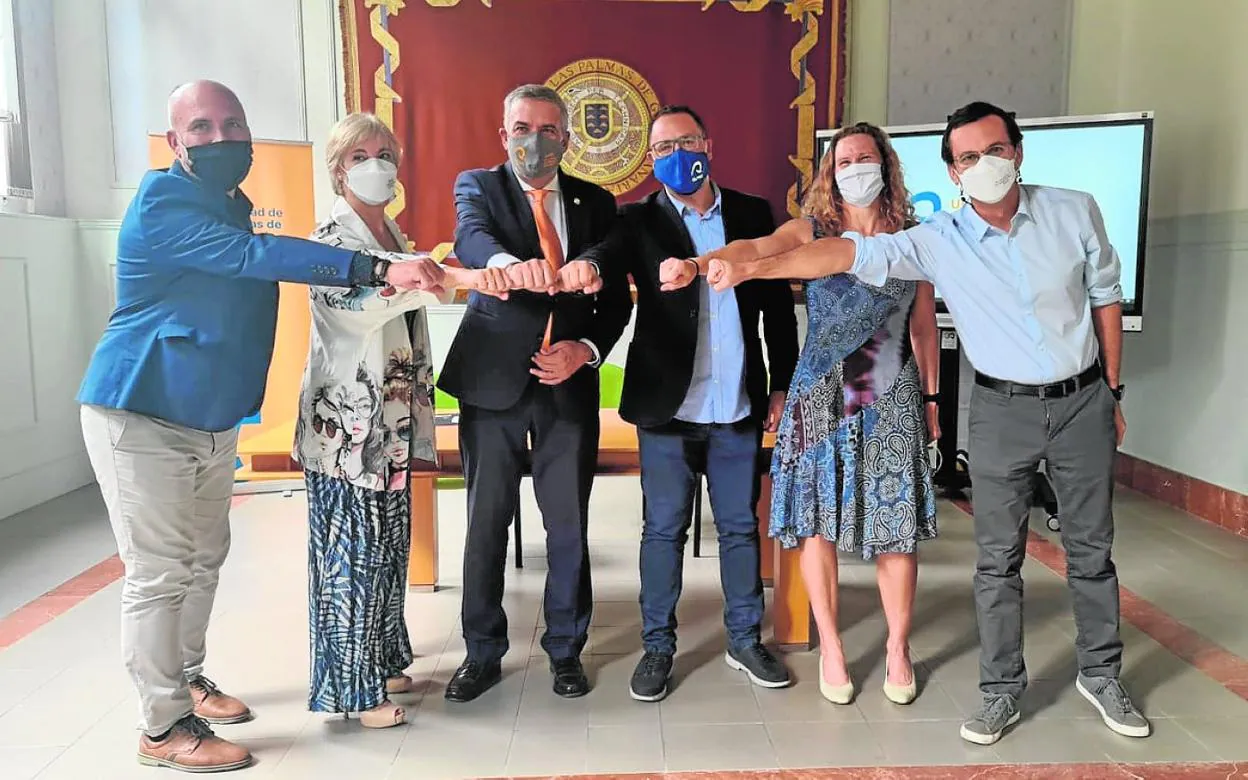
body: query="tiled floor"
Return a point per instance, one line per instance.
(67, 710)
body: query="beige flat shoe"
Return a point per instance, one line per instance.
(901, 694)
(837, 694)
(383, 716)
(400, 684)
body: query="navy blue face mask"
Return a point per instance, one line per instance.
(684, 172)
(221, 166)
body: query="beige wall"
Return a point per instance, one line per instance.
(1186, 372)
(102, 95)
(867, 89)
(1189, 64)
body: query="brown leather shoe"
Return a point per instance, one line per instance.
(216, 707)
(192, 747)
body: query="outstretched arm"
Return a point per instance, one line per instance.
(676, 273)
(906, 255)
(820, 258)
(789, 236)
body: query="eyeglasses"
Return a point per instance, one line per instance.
(969, 159)
(690, 143)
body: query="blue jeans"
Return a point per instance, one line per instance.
(671, 455)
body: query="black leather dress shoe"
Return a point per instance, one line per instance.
(570, 679)
(472, 679)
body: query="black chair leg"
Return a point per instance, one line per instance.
(697, 516)
(519, 541)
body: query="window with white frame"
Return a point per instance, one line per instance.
(15, 173)
(7, 53)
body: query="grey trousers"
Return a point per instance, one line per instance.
(1009, 436)
(167, 490)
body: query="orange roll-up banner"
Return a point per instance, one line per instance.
(280, 189)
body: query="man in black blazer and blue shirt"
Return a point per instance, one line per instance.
(697, 388)
(525, 368)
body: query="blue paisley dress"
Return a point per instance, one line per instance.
(850, 461)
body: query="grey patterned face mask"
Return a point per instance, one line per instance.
(535, 156)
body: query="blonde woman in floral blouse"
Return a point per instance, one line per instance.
(365, 411)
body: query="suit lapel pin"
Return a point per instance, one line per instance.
(576, 201)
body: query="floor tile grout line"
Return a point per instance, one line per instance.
(1193, 648)
(1178, 722)
(48, 765)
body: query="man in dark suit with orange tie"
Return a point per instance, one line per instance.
(525, 369)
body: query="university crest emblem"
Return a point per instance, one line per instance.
(610, 106)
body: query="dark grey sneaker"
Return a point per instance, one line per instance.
(1112, 701)
(651, 677)
(763, 668)
(996, 713)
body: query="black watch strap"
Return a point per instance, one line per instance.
(931, 398)
(1118, 391)
(381, 266)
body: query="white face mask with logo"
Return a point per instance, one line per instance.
(373, 180)
(861, 183)
(989, 180)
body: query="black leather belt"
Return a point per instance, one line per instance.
(1055, 390)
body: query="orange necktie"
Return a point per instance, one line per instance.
(548, 237)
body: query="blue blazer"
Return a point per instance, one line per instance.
(192, 335)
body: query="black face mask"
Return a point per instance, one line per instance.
(221, 166)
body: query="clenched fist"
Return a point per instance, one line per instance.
(416, 273)
(579, 276)
(532, 275)
(676, 274)
(488, 281)
(723, 275)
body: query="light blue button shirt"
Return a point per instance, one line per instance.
(1021, 301)
(717, 389)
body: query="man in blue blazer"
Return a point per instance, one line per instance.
(182, 362)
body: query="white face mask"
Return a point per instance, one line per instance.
(861, 183)
(989, 180)
(373, 180)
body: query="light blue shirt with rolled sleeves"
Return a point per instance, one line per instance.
(1021, 301)
(717, 389)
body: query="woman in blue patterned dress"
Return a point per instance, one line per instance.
(365, 410)
(850, 468)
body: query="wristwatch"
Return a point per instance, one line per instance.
(1118, 392)
(381, 267)
(931, 398)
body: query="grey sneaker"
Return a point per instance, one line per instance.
(1112, 701)
(997, 712)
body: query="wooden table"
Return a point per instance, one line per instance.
(267, 457)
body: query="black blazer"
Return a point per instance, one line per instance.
(665, 336)
(489, 360)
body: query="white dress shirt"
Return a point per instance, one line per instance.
(554, 208)
(558, 215)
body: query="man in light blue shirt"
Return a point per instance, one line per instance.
(1032, 284)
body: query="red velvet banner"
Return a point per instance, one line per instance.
(442, 71)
